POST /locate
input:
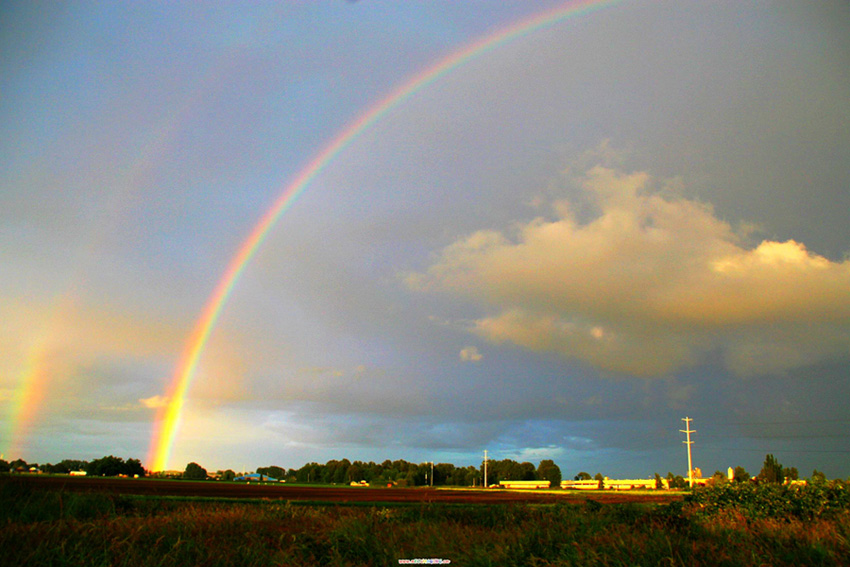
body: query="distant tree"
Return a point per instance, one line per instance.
(107, 466)
(583, 476)
(676, 481)
(311, 472)
(67, 465)
(472, 476)
(600, 479)
(19, 465)
(4, 466)
(448, 474)
(328, 471)
(340, 474)
(818, 477)
(194, 471)
(548, 470)
(133, 467)
(75, 464)
(227, 475)
(363, 471)
(527, 471)
(740, 474)
(791, 473)
(771, 471)
(414, 477)
(506, 469)
(509, 469)
(659, 482)
(355, 473)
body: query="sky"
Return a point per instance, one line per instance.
(557, 249)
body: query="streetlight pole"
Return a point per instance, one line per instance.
(485, 468)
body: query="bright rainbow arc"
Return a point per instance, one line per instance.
(168, 418)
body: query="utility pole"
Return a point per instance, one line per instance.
(432, 474)
(687, 430)
(485, 468)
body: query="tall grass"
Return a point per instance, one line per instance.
(55, 528)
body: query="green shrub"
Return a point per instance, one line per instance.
(799, 501)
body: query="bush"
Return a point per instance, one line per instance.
(798, 501)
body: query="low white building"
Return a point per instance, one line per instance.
(524, 484)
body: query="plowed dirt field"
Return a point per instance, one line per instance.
(341, 494)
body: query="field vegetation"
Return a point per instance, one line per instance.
(727, 524)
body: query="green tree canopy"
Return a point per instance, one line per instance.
(115, 466)
(548, 470)
(740, 474)
(194, 471)
(771, 471)
(676, 481)
(600, 479)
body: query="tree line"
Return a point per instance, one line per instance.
(105, 466)
(399, 472)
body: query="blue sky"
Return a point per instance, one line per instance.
(558, 250)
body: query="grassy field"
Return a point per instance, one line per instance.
(54, 527)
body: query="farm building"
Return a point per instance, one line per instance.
(256, 477)
(580, 484)
(632, 484)
(524, 484)
(612, 484)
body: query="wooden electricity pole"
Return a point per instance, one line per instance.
(687, 430)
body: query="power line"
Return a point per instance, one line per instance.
(792, 422)
(775, 450)
(780, 436)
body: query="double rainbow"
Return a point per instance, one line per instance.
(168, 419)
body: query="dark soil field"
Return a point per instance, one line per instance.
(341, 494)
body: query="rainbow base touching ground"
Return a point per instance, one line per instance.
(168, 418)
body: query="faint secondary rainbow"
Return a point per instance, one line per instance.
(25, 402)
(168, 418)
(39, 366)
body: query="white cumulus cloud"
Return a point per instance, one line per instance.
(647, 285)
